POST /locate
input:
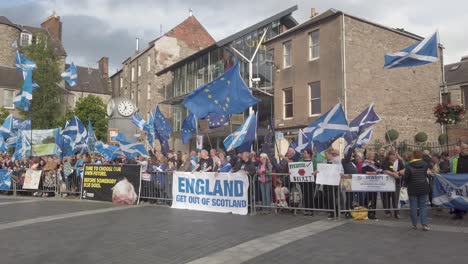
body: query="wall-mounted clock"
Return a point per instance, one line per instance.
(126, 107)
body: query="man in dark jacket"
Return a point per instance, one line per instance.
(460, 165)
(245, 163)
(349, 167)
(418, 188)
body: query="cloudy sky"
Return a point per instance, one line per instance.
(96, 28)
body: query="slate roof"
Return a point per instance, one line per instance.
(56, 45)
(456, 73)
(90, 81)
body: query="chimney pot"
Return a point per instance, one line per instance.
(313, 12)
(104, 67)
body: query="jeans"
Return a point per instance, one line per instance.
(418, 201)
(265, 189)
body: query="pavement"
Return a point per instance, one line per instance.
(50, 230)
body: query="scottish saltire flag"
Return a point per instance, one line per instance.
(109, 152)
(423, 52)
(5, 179)
(23, 147)
(364, 120)
(138, 121)
(226, 167)
(6, 130)
(19, 124)
(77, 134)
(227, 94)
(149, 129)
(216, 120)
(23, 64)
(188, 128)
(70, 75)
(91, 137)
(245, 134)
(302, 142)
(251, 136)
(120, 137)
(133, 150)
(451, 191)
(364, 138)
(22, 99)
(161, 125)
(326, 129)
(3, 145)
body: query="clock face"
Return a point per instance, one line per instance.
(126, 107)
(110, 107)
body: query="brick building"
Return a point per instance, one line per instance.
(456, 91)
(137, 79)
(90, 81)
(335, 57)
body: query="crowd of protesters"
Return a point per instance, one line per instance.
(411, 170)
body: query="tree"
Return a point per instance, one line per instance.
(45, 103)
(3, 114)
(92, 108)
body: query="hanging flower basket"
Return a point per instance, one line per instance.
(449, 113)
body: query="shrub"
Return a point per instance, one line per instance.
(392, 135)
(420, 137)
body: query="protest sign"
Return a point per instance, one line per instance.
(368, 183)
(301, 172)
(113, 183)
(32, 178)
(211, 191)
(329, 174)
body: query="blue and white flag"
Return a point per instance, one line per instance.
(23, 147)
(161, 125)
(226, 167)
(3, 145)
(70, 75)
(5, 180)
(240, 136)
(138, 121)
(23, 98)
(326, 129)
(364, 138)
(92, 139)
(364, 120)
(133, 150)
(19, 124)
(423, 52)
(451, 191)
(77, 134)
(109, 152)
(23, 64)
(302, 142)
(188, 128)
(6, 130)
(216, 120)
(149, 129)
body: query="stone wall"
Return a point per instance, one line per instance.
(8, 35)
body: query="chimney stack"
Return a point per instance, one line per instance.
(54, 26)
(137, 47)
(104, 67)
(313, 12)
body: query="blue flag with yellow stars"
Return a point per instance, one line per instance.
(227, 94)
(217, 120)
(187, 128)
(161, 125)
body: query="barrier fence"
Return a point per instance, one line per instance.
(277, 193)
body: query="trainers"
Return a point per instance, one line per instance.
(426, 228)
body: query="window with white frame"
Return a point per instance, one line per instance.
(121, 82)
(288, 103)
(133, 73)
(315, 102)
(148, 63)
(8, 96)
(287, 58)
(149, 91)
(25, 39)
(314, 45)
(139, 70)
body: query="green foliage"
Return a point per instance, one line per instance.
(92, 108)
(3, 114)
(392, 135)
(420, 137)
(45, 103)
(443, 139)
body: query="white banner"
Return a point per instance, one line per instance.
(301, 172)
(32, 178)
(329, 174)
(211, 191)
(368, 183)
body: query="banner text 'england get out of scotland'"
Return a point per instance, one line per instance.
(211, 191)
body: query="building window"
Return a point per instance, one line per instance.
(314, 45)
(25, 39)
(148, 63)
(8, 96)
(178, 115)
(133, 73)
(121, 82)
(288, 102)
(287, 58)
(139, 70)
(149, 92)
(315, 102)
(465, 95)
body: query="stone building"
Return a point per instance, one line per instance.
(90, 81)
(137, 79)
(335, 57)
(456, 91)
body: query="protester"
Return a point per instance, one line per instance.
(216, 160)
(460, 165)
(371, 167)
(193, 159)
(186, 164)
(308, 188)
(264, 175)
(455, 153)
(418, 188)
(444, 163)
(395, 168)
(205, 163)
(281, 193)
(245, 164)
(331, 192)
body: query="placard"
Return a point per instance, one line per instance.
(199, 142)
(368, 183)
(301, 172)
(32, 178)
(329, 174)
(211, 191)
(119, 184)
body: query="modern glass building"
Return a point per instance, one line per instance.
(207, 64)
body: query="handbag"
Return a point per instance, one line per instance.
(404, 195)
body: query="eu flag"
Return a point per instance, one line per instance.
(188, 127)
(161, 125)
(227, 94)
(216, 120)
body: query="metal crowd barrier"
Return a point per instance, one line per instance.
(156, 187)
